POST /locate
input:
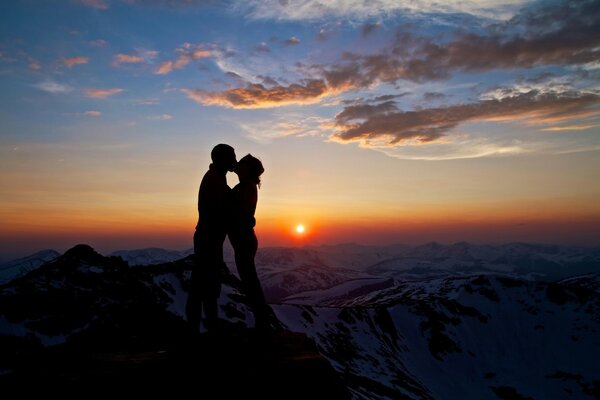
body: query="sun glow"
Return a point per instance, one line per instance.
(300, 229)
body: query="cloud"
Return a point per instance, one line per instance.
(53, 87)
(292, 41)
(172, 3)
(557, 34)
(101, 93)
(283, 126)
(93, 113)
(187, 53)
(126, 59)
(262, 47)
(324, 34)
(258, 96)
(384, 125)
(97, 4)
(147, 102)
(34, 64)
(544, 35)
(368, 28)
(267, 80)
(571, 128)
(162, 117)
(164, 68)
(98, 43)
(432, 96)
(317, 10)
(69, 62)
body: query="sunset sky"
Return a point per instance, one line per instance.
(378, 121)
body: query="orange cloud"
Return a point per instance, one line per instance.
(164, 68)
(187, 53)
(258, 96)
(570, 128)
(126, 59)
(101, 93)
(93, 113)
(69, 62)
(34, 64)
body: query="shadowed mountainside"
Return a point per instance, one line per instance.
(87, 321)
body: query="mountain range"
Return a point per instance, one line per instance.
(462, 321)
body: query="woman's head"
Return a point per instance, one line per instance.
(249, 167)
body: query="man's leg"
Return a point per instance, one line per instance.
(193, 307)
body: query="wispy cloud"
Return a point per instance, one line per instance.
(161, 117)
(361, 10)
(97, 4)
(258, 96)
(53, 87)
(146, 102)
(34, 64)
(384, 124)
(187, 53)
(126, 59)
(93, 113)
(283, 126)
(571, 128)
(69, 62)
(101, 93)
(98, 43)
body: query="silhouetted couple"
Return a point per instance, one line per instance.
(226, 212)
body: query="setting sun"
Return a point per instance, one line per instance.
(300, 229)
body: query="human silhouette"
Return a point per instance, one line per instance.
(242, 236)
(214, 198)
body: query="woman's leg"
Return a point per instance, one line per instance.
(245, 251)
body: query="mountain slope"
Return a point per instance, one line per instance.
(19, 267)
(469, 338)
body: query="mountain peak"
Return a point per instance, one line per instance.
(83, 252)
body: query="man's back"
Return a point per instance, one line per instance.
(213, 203)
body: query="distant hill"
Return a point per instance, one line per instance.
(19, 267)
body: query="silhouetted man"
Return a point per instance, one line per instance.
(213, 213)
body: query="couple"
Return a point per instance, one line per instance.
(223, 211)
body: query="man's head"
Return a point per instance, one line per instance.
(223, 157)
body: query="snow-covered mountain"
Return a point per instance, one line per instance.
(150, 256)
(19, 267)
(424, 322)
(478, 337)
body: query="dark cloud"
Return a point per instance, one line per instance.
(387, 97)
(568, 34)
(431, 96)
(385, 123)
(369, 28)
(267, 80)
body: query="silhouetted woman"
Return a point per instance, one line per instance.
(242, 236)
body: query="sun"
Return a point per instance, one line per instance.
(300, 229)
